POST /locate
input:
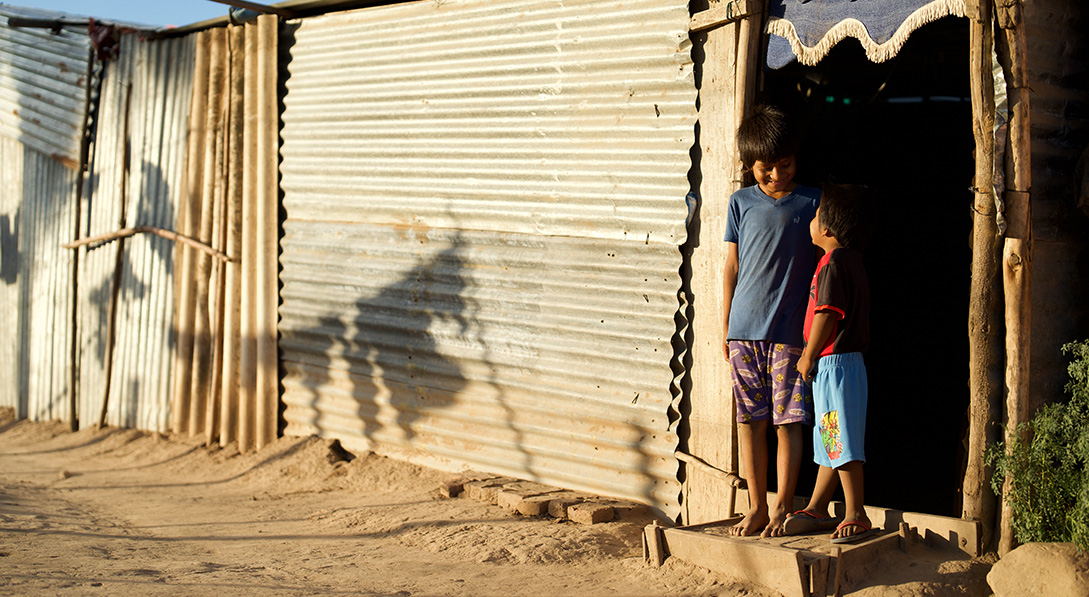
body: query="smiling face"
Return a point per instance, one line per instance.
(776, 179)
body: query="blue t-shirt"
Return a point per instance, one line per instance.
(776, 258)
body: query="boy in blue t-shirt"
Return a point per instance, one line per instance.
(837, 332)
(769, 261)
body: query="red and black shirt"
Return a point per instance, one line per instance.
(840, 287)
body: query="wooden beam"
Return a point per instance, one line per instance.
(1011, 47)
(721, 14)
(779, 568)
(984, 308)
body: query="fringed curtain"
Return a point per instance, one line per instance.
(226, 372)
(807, 30)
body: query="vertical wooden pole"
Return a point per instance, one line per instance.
(984, 322)
(1017, 253)
(73, 331)
(119, 261)
(726, 89)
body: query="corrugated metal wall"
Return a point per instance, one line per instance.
(37, 214)
(43, 94)
(227, 382)
(136, 179)
(480, 257)
(43, 87)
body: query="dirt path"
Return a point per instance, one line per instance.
(122, 512)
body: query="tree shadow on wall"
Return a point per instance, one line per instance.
(376, 371)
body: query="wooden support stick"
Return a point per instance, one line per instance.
(119, 261)
(984, 308)
(1011, 47)
(167, 234)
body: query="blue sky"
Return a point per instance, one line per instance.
(149, 12)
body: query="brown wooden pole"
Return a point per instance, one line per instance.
(984, 320)
(119, 261)
(161, 232)
(73, 346)
(1017, 255)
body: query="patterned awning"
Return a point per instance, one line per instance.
(806, 30)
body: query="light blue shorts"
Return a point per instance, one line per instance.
(839, 406)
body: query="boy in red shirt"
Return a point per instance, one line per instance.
(837, 333)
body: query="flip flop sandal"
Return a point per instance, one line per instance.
(804, 521)
(867, 531)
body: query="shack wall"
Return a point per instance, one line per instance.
(1058, 58)
(480, 263)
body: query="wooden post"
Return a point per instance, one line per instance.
(1017, 254)
(712, 435)
(985, 361)
(73, 346)
(119, 261)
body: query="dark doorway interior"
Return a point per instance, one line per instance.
(902, 127)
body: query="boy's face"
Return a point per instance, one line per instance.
(776, 179)
(815, 227)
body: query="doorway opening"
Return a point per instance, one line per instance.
(904, 129)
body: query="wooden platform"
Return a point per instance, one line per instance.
(803, 565)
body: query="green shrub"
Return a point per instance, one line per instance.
(1049, 489)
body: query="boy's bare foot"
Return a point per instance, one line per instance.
(754, 522)
(774, 527)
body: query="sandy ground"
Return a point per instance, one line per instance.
(124, 512)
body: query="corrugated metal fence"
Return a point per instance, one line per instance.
(480, 263)
(43, 87)
(43, 99)
(136, 178)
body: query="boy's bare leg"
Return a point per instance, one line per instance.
(823, 491)
(754, 453)
(788, 463)
(850, 475)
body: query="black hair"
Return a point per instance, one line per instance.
(847, 213)
(767, 134)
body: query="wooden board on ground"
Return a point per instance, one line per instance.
(800, 565)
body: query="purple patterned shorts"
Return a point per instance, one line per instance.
(765, 384)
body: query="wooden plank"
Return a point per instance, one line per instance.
(939, 531)
(711, 420)
(653, 545)
(1011, 47)
(779, 569)
(984, 344)
(721, 14)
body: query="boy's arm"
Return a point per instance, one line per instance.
(729, 283)
(823, 323)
